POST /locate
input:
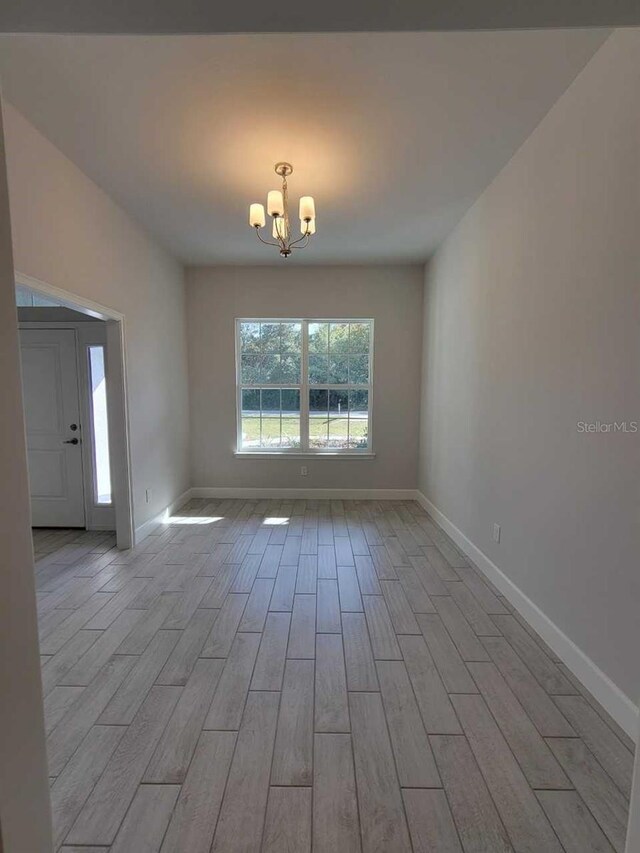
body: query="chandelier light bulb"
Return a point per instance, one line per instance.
(307, 207)
(275, 203)
(256, 216)
(279, 228)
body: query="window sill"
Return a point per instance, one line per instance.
(286, 454)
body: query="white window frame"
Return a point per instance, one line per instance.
(303, 387)
(92, 443)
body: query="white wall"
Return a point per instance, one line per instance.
(531, 325)
(69, 233)
(391, 295)
(24, 790)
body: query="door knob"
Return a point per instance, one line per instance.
(71, 441)
(73, 427)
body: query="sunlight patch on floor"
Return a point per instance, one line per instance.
(193, 519)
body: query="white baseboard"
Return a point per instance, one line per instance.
(145, 529)
(617, 703)
(305, 494)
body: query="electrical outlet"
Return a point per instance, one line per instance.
(304, 471)
(147, 495)
(496, 532)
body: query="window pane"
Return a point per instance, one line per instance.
(359, 369)
(251, 418)
(24, 297)
(358, 419)
(249, 337)
(251, 400)
(318, 418)
(100, 426)
(251, 369)
(289, 368)
(270, 430)
(270, 402)
(290, 337)
(339, 433)
(338, 420)
(339, 338)
(339, 370)
(270, 369)
(319, 338)
(318, 369)
(270, 352)
(290, 400)
(290, 418)
(270, 426)
(338, 403)
(359, 338)
(270, 337)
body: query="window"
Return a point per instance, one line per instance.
(26, 298)
(99, 426)
(304, 386)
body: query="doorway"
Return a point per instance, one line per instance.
(74, 392)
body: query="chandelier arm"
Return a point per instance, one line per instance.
(281, 240)
(295, 245)
(282, 243)
(285, 234)
(267, 242)
(305, 236)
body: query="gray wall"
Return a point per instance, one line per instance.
(531, 325)
(24, 787)
(391, 295)
(69, 233)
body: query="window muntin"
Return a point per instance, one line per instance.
(270, 418)
(304, 385)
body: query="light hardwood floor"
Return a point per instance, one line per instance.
(287, 676)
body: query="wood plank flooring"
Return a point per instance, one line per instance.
(288, 676)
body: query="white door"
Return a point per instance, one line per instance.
(52, 414)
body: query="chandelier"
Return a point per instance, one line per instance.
(278, 209)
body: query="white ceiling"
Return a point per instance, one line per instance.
(395, 134)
